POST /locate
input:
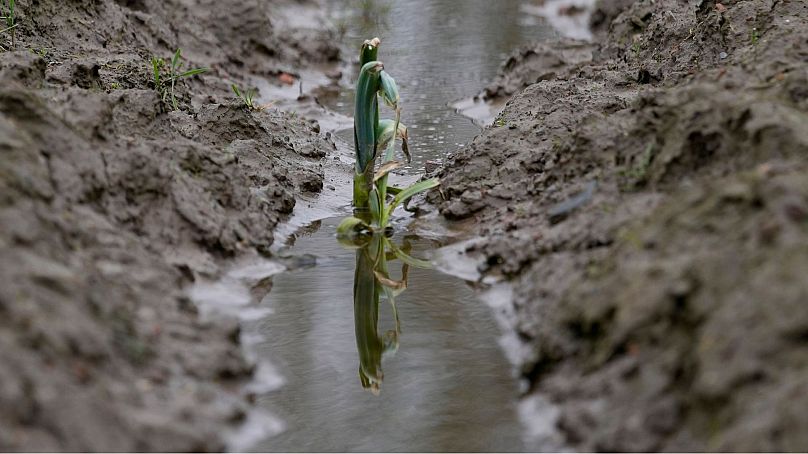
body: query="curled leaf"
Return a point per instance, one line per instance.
(353, 232)
(385, 169)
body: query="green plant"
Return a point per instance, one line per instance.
(372, 135)
(754, 36)
(10, 18)
(41, 52)
(166, 76)
(246, 96)
(636, 47)
(635, 176)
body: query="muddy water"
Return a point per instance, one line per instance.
(447, 387)
(444, 383)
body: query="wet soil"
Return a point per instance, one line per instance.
(113, 202)
(648, 202)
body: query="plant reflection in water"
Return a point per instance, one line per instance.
(372, 283)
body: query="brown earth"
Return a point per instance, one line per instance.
(650, 208)
(112, 203)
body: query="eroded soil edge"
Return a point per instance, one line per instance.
(112, 203)
(650, 207)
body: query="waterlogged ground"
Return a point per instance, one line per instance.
(448, 385)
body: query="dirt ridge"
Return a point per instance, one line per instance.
(650, 209)
(112, 204)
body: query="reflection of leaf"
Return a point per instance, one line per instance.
(389, 283)
(412, 261)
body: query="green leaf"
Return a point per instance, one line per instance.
(353, 232)
(411, 191)
(236, 90)
(376, 207)
(175, 61)
(157, 64)
(193, 72)
(388, 90)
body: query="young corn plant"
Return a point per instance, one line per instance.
(166, 75)
(246, 96)
(9, 18)
(371, 137)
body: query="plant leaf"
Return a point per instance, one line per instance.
(375, 206)
(385, 169)
(417, 188)
(176, 60)
(412, 261)
(389, 90)
(389, 283)
(193, 72)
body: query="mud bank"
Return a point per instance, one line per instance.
(649, 204)
(112, 203)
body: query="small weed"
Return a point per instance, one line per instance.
(43, 52)
(637, 175)
(166, 76)
(115, 86)
(246, 96)
(7, 14)
(754, 36)
(499, 123)
(636, 48)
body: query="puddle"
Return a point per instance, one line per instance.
(442, 380)
(335, 371)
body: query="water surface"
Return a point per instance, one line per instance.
(439, 51)
(448, 385)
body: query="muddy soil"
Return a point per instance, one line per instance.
(649, 204)
(113, 202)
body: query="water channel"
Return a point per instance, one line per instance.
(443, 383)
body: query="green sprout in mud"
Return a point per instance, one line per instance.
(166, 75)
(246, 96)
(754, 36)
(375, 139)
(41, 52)
(636, 48)
(637, 175)
(9, 17)
(372, 282)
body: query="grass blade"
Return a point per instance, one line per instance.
(193, 72)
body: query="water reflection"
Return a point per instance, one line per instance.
(447, 388)
(372, 282)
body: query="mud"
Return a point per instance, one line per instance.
(112, 204)
(649, 206)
